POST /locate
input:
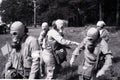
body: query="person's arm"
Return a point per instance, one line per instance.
(108, 58)
(105, 35)
(35, 58)
(106, 66)
(41, 37)
(8, 64)
(35, 64)
(108, 55)
(76, 52)
(61, 40)
(108, 62)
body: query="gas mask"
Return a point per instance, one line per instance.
(60, 26)
(93, 36)
(91, 47)
(17, 31)
(60, 30)
(16, 45)
(15, 41)
(90, 44)
(45, 26)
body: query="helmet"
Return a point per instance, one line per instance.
(101, 23)
(92, 34)
(44, 25)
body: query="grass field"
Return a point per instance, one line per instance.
(75, 34)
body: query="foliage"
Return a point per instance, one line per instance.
(77, 12)
(17, 10)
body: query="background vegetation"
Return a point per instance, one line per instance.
(77, 12)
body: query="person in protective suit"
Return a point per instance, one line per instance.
(103, 32)
(50, 53)
(41, 38)
(24, 58)
(43, 33)
(97, 56)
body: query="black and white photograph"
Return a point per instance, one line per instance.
(60, 39)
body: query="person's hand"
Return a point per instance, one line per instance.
(100, 73)
(76, 43)
(71, 61)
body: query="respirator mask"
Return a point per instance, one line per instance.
(91, 47)
(16, 43)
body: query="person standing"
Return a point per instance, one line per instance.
(43, 33)
(24, 58)
(103, 32)
(97, 56)
(52, 50)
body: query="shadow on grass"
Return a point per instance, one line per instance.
(113, 29)
(68, 73)
(116, 59)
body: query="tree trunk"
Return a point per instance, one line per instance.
(34, 1)
(100, 11)
(117, 13)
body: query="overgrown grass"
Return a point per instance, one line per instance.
(75, 34)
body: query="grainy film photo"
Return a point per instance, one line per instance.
(60, 39)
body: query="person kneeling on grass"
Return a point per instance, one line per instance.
(97, 56)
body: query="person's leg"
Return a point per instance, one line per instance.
(50, 72)
(86, 78)
(93, 76)
(3, 74)
(50, 64)
(42, 67)
(81, 77)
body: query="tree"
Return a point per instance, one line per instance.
(17, 10)
(117, 13)
(77, 12)
(64, 9)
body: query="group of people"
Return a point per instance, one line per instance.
(33, 58)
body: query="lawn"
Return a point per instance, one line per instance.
(75, 34)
